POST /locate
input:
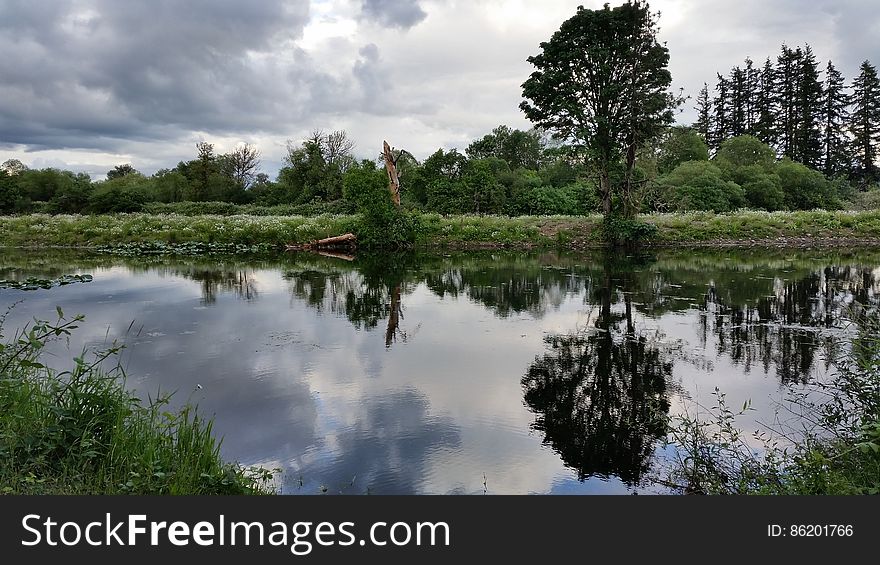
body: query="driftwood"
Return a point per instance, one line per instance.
(345, 240)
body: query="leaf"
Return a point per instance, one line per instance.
(60, 312)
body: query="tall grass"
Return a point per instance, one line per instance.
(79, 431)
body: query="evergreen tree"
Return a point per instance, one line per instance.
(864, 123)
(765, 105)
(807, 143)
(835, 102)
(737, 93)
(721, 118)
(750, 96)
(786, 94)
(703, 125)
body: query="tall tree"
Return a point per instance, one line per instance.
(721, 117)
(703, 125)
(750, 95)
(765, 105)
(244, 163)
(835, 103)
(204, 166)
(738, 102)
(864, 123)
(601, 82)
(807, 146)
(786, 93)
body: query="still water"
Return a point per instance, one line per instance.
(491, 372)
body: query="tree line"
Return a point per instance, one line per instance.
(820, 121)
(779, 137)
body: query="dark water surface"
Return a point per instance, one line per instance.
(492, 372)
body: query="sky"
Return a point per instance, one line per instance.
(89, 84)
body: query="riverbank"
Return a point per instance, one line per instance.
(248, 233)
(81, 432)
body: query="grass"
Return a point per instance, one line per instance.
(242, 232)
(81, 432)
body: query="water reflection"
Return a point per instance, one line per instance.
(785, 327)
(600, 394)
(541, 373)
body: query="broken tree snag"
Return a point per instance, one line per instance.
(393, 176)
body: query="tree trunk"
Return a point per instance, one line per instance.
(393, 176)
(605, 191)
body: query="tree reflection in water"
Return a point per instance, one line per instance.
(600, 394)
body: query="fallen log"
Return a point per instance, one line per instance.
(344, 240)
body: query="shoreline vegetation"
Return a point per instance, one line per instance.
(80, 431)
(248, 233)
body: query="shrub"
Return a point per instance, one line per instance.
(381, 223)
(698, 185)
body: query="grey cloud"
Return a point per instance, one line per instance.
(87, 74)
(402, 14)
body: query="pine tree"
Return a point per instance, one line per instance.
(835, 102)
(737, 93)
(786, 94)
(750, 95)
(703, 125)
(765, 105)
(807, 145)
(721, 117)
(864, 123)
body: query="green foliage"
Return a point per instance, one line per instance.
(618, 230)
(577, 94)
(681, 144)
(805, 188)
(744, 150)
(868, 200)
(121, 194)
(765, 193)
(519, 149)
(698, 185)
(381, 223)
(10, 195)
(80, 432)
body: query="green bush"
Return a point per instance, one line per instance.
(698, 185)
(804, 188)
(617, 230)
(381, 223)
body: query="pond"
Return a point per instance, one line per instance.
(483, 372)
